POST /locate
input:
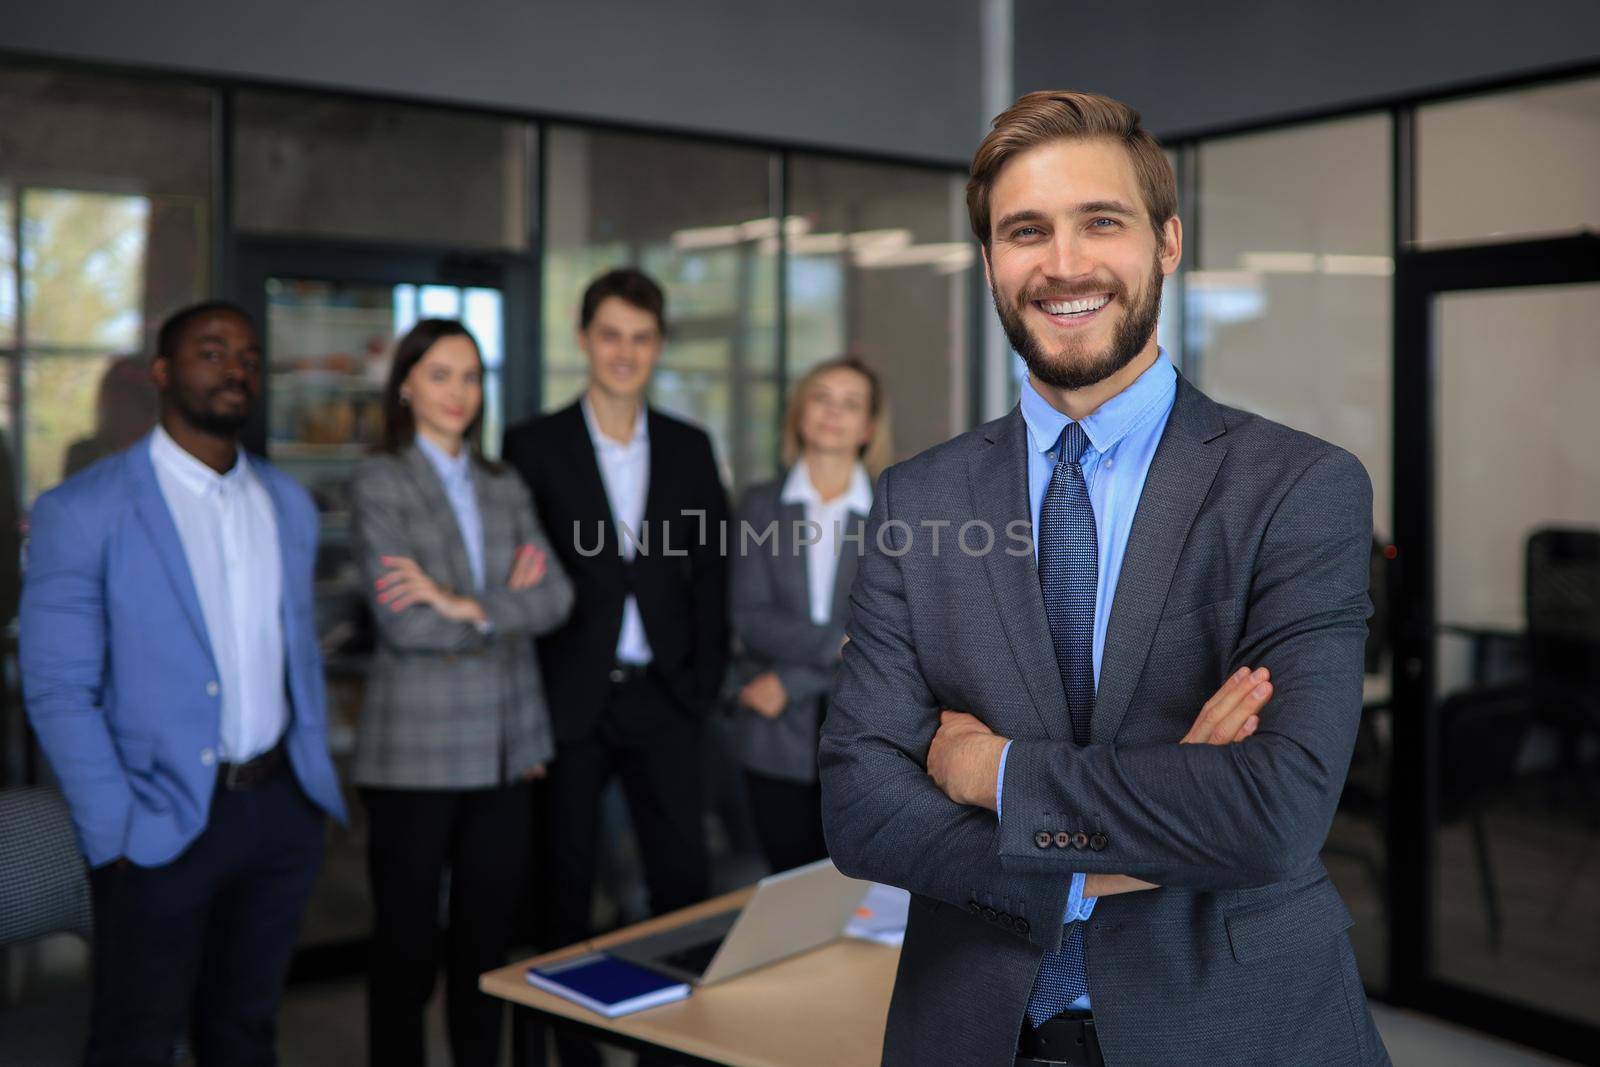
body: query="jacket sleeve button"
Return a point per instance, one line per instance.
(1063, 839)
(990, 914)
(974, 907)
(1080, 840)
(1098, 842)
(1042, 839)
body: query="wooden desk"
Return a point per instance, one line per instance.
(827, 1006)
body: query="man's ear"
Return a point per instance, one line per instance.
(988, 274)
(1171, 244)
(160, 370)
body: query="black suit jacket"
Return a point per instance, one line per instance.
(682, 595)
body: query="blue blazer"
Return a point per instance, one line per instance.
(117, 670)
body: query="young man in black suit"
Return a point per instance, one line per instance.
(634, 506)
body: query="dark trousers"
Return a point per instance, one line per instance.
(653, 747)
(788, 818)
(206, 938)
(414, 836)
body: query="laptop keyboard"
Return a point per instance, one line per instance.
(694, 959)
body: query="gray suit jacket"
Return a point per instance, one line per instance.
(1249, 546)
(771, 608)
(447, 706)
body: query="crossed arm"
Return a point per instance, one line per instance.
(965, 760)
(414, 612)
(1206, 816)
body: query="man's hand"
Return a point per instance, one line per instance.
(765, 695)
(1234, 711)
(1109, 885)
(964, 759)
(1231, 715)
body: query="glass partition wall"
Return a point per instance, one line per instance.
(1419, 285)
(340, 221)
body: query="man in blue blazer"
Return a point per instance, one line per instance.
(171, 671)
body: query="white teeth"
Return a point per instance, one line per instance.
(1075, 307)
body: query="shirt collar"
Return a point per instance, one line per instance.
(1111, 421)
(452, 470)
(641, 427)
(188, 472)
(798, 489)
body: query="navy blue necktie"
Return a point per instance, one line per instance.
(1069, 575)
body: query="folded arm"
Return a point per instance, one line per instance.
(378, 533)
(885, 818)
(535, 609)
(62, 654)
(1215, 817)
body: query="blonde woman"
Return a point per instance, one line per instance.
(789, 601)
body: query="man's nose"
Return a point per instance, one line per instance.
(1067, 257)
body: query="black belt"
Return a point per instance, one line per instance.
(1069, 1038)
(253, 772)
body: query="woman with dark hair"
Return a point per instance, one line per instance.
(454, 725)
(789, 603)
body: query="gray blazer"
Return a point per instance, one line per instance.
(770, 601)
(1250, 546)
(448, 706)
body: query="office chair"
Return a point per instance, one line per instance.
(44, 886)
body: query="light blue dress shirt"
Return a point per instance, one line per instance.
(1123, 434)
(456, 474)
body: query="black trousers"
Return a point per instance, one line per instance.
(788, 818)
(652, 745)
(206, 938)
(414, 836)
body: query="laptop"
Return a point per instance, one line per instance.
(789, 913)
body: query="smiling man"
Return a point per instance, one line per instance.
(171, 671)
(634, 504)
(1104, 764)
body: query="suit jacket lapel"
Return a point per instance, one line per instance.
(1181, 473)
(588, 482)
(793, 570)
(164, 535)
(157, 519)
(437, 503)
(997, 477)
(655, 493)
(845, 576)
(294, 598)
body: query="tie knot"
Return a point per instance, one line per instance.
(1072, 444)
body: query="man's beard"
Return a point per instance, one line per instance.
(1068, 369)
(203, 417)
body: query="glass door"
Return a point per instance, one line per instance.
(330, 316)
(1498, 730)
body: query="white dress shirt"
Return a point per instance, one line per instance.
(625, 470)
(829, 517)
(229, 533)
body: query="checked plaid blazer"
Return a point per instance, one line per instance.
(447, 705)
